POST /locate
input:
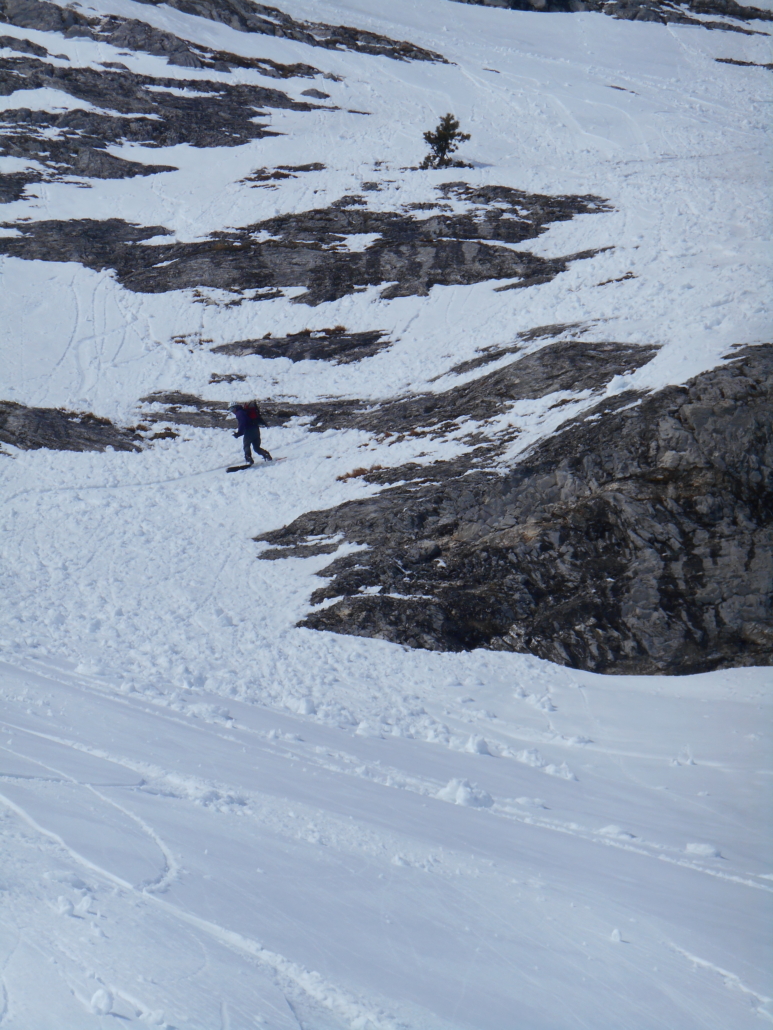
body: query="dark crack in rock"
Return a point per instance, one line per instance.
(246, 16)
(307, 249)
(60, 430)
(692, 12)
(637, 540)
(335, 345)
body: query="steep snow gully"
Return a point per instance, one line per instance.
(459, 715)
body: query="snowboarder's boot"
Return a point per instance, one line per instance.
(264, 454)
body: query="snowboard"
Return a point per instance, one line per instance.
(256, 464)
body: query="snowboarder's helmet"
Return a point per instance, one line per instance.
(233, 405)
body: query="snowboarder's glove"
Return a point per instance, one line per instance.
(236, 436)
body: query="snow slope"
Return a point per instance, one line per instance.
(214, 819)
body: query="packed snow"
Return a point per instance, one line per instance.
(214, 819)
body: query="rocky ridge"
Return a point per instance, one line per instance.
(692, 12)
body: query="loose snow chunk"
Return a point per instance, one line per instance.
(102, 1002)
(562, 771)
(616, 936)
(462, 792)
(532, 757)
(367, 729)
(615, 831)
(210, 713)
(477, 746)
(301, 705)
(64, 906)
(705, 850)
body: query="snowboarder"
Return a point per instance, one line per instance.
(249, 420)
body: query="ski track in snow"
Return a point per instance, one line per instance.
(213, 819)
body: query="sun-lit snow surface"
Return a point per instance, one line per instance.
(214, 819)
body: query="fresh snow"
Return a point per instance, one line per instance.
(214, 819)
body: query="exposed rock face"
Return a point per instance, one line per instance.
(322, 345)
(306, 249)
(692, 12)
(130, 34)
(570, 365)
(32, 428)
(270, 21)
(75, 142)
(639, 539)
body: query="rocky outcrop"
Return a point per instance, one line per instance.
(148, 111)
(309, 249)
(571, 365)
(131, 34)
(246, 16)
(60, 430)
(637, 540)
(335, 345)
(693, 12)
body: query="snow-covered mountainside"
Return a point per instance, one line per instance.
(386, 733)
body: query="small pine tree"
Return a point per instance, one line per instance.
(443, 142)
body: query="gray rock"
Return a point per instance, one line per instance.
(75, 142)
(245, 16)
(132, 34)
(637, 540)
(56, 429)
(690, 13)
(321, 345)
(411, 254)
(570, 365)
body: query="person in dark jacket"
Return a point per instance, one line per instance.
(249, 421)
